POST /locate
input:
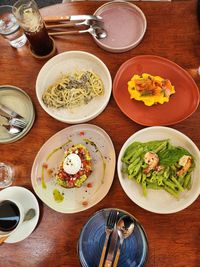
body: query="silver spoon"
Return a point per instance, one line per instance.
(95, 31)
(98, 32)
(125, 227)
(28, 216)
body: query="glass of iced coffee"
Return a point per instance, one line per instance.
(30, 19)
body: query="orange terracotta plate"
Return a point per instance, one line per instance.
(180, 106)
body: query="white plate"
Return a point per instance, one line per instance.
(159, 201)
(69, 62)
(98, 183)
(28, 201)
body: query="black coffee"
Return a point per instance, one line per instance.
(9, 215)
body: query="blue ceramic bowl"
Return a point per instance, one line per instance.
(134, 249)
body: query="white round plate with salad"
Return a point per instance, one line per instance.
(158, 168)
(74, 169)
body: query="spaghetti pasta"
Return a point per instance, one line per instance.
(73, 89)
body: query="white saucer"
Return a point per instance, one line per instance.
(28, 201)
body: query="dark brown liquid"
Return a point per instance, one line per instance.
(41, 43)
(9, 216)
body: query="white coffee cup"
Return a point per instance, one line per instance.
(10, 207)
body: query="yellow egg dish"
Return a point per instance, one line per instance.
(150, 89)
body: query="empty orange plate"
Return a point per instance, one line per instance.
(180, 106)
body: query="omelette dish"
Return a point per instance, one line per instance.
(150, 89)
(75, 167)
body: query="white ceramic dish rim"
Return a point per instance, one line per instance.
(89, 116)
(136, 137)
(123, 48)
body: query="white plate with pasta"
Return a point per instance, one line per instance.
(74, 87)
(158, 168)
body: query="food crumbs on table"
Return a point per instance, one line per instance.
(58, 197)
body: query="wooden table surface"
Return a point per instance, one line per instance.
(174, 239)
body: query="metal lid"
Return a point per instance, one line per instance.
(19, 101)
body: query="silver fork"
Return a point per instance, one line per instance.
(14, 121)
(112, 217)
(20, 123)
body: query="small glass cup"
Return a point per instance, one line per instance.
(10, 29)
(30, 19)
(6, 175)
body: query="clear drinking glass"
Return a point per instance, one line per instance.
(30, 19)
(6, 175)
(10, 29)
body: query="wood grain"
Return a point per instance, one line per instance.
(174, 240)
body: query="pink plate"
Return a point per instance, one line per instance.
(125, 24)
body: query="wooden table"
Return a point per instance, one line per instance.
(174, 239)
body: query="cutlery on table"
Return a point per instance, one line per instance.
(110, 224)
(95, 24)
(15, 125)
(112, 247)
(125, 227)
(16, 121)
(95, 31)
(10, 112)
(86, 22)
(71, 18)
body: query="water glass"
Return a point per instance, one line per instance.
(6, 175)
(30, 19)
(10, 29)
